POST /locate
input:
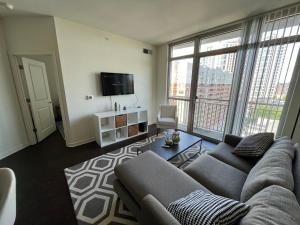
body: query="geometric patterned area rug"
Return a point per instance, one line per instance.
(91, 185)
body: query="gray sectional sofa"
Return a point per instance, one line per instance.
(147, 184)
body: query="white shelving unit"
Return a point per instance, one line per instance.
(106, 131)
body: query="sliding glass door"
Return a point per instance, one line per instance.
(217, 60)
(180, 78)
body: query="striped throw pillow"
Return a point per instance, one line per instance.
(254, 145)
(201, 208)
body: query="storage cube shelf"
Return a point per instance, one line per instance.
(107, 123)
(143, 116)
(121, 134)
(112, 127)
(108, 137)
(132, 118)
(121, 120)
(133, 130)
(143, 128)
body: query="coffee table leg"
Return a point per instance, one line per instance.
(199, 152)
(200, 146)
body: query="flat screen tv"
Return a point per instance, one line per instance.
(117, 84)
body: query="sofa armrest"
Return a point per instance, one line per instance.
(156, 212)
(232, 140)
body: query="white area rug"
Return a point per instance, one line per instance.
(91, 185)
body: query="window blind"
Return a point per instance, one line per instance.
(275, 57)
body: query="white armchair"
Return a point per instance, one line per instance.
(167, 117)
(7, 196)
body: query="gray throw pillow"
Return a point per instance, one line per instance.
(273, 205)
(274, 168)
(204, 208)
(254, 145)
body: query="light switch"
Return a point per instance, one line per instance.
(89, 97)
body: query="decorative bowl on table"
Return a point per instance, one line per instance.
(169, 141)
(176, 137)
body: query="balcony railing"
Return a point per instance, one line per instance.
(209, 116)
(262, 116)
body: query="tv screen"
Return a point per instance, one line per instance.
(117, 84)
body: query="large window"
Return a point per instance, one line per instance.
(236, 79)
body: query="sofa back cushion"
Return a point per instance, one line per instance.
(272, 205)
(296, 171)
(254, 145)
(275, 167)
(168, 111)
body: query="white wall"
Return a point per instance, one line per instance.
(85, 52)
(12, 133)
(162, 74)
(35, 35)
(30, 34)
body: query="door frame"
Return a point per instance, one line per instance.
(26, 115)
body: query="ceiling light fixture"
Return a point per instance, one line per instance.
(6, 5)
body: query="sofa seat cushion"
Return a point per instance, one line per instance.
(150, 174)
(166, 121)
(273, 205)
(275, 167)
(296, 171)
(224, 153)
(218, 177)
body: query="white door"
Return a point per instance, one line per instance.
(39, 94)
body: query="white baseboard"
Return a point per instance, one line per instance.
(80, 142)
(12, 151)
(85, 141)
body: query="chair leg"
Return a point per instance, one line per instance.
(157, 131)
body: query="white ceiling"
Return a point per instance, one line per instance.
(153, 21)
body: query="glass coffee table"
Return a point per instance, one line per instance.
(186, 141)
